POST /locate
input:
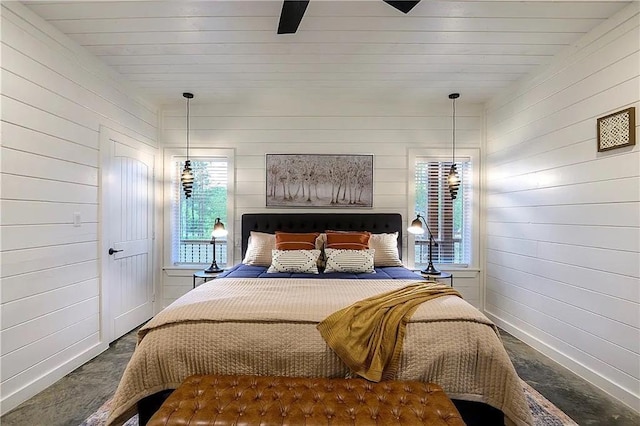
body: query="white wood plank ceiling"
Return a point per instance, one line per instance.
(230, 48)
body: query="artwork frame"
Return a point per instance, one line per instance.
(617, 130)
(319, 181)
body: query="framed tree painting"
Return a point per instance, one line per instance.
(319, 180)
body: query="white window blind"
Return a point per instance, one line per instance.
(449, 220)
(193, 218)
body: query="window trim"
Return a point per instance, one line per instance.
(444, 154)
(169, 154)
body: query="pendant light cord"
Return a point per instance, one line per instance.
(454, 131)
(453, 97)
(188, 96)
(188, 115)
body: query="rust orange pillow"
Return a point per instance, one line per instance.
(296, 241)
(348, 240)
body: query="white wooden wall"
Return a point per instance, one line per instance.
(563, 220)
(322, 122)
(54, 98)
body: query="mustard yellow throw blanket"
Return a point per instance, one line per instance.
(368, 335)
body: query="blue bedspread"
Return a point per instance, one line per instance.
(385, 273)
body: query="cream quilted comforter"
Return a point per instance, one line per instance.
(268, 327)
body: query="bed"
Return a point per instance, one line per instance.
(265, 324)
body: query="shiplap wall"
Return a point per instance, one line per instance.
(563, 220)
(322, 122)
(54, 98)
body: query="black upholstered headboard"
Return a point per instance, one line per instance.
(376, 223)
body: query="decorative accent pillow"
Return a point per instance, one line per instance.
(259, 249)
(348, 240)
(386, 249)
(296, 241)
(300, 261)
(354, 261)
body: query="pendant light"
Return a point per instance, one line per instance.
(187, 173)
(454, 179)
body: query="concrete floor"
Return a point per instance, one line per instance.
(580, 400)
(73, 398)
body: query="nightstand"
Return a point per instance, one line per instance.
(440, 276)
(206, 276)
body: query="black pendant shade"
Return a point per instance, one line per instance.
(187, 179)
(454, 181)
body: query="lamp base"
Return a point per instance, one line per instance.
(213, 268)
(430, 270)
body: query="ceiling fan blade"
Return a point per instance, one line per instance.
(402, 6)
(291, 15)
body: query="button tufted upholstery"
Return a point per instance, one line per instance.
(261, 400)
(319, 222)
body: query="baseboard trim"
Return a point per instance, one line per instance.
(611, 388)
(10, 402)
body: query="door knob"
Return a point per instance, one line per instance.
(111, 251)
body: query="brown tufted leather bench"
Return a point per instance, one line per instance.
(262, 400)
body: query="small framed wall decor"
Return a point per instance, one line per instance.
(617, 130)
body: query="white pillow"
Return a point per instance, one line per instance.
(259, 249)
(354, 261)
(299, 261)
(386, 249)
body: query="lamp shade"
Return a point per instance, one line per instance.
(416, 227)
(218, 229)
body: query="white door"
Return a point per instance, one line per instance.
(128, 230)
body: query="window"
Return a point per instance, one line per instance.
(193, 218)
(450, 220)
